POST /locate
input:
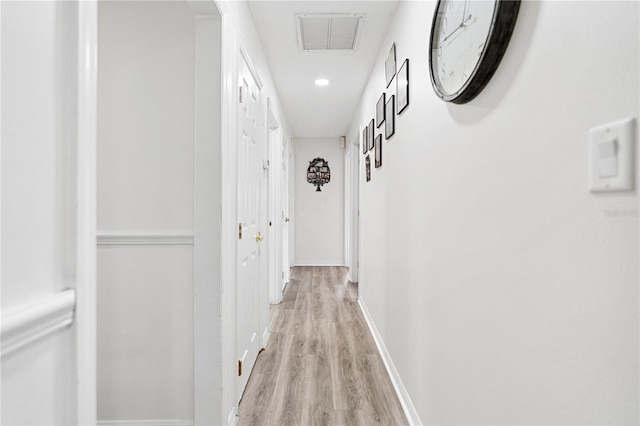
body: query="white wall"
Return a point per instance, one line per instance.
(39, 47)
(501, 290)
(319, 221)
(145, 189)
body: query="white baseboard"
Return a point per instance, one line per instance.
(232, 419)
(319, 264)
(407, 405)
(145, 422)
(265, 336)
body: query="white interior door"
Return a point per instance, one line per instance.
(348, 203)
(292, 213)
(285, 212)
(249, 235)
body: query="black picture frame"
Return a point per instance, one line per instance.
(390, 123)
(390, 65)
(378, 151)
(380, 110)
(372, 133)
(402, 86)
(365, 140)
(367, 167)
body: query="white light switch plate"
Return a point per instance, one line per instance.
(611, 156)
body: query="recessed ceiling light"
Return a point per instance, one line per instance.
(322, 82)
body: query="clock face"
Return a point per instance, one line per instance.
(468, 39)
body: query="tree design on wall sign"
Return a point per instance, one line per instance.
(318, 173)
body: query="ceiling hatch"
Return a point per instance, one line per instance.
(329, 31)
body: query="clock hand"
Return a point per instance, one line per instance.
(467, 21)
(464, 13)
(463, 25)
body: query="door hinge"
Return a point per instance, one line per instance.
(240, 94)
(240, 231)
(239, 367)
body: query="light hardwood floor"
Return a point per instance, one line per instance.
(321, 366)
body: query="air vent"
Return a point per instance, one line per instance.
(322, 31)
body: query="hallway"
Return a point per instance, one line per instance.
(160, 170)
(321, 365)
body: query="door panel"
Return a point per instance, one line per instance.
(248, 286)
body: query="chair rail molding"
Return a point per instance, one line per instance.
(37, 320)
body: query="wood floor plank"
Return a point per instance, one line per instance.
(321, 366)
(347, 418)
(359, 329)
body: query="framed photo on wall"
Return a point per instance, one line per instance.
(378, 150)
(380, 110)
(367, 167)
(390, 65)
(365, 140)
(372, 133)
(402, 86)
(390, 117)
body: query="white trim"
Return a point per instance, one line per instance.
(37, 320)
(232, 419)
(207, 366)
(354, 206)
(1, 195)
(228, 215)
(273, 138)
(145, 423)
(86, 281)
(222, 6)
(144, 239)
(265, 336)
(252, 68)
(318, 264)
(405, 400)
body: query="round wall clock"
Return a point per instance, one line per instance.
(468, 40)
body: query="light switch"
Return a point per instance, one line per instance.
(608, 159)
(611, 156)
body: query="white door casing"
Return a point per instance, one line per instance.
(249, 235)
(207, 330)
(274, 143)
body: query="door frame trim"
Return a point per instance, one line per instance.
(207, 187)
(85, 325)
(274, 132)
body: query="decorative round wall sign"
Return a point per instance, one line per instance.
(468, 40)
(318, 173)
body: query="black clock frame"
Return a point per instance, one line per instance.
(502, 25)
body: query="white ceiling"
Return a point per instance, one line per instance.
(315, 111)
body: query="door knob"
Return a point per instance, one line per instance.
(287, 219)
(259, 237)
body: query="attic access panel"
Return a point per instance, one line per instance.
(328, 31)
